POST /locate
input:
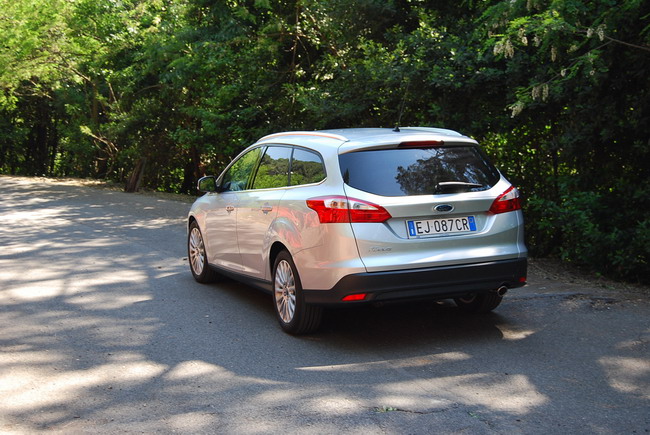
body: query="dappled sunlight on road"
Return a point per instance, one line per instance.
(30, 394)
(514, 332)
(104, 301)
(38, 291)
(513, 394)
(188, 370)
(103, 328)
(628, 375)
(419, 361)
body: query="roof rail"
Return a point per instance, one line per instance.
(305, 133)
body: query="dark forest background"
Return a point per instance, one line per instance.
(557, 92)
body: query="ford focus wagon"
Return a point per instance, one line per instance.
(355, 216)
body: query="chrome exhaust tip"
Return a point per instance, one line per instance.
(501, 291)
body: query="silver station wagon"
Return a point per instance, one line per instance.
(354, 216)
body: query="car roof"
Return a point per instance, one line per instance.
(350, 139)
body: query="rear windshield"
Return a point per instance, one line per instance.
(415, 171)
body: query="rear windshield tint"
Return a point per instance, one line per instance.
(415, 171)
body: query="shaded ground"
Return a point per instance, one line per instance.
(102, 329)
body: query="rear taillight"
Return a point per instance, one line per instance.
(507, 201)
(337, 209)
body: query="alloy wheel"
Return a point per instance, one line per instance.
(196, 251)
(285, 291)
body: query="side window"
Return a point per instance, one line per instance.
(274, 168)
(239, 173)
(306, 167)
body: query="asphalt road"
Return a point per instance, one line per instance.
(103, 329)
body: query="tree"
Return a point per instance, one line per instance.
(579, 85)
(557, 91)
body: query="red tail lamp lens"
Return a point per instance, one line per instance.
(338, 209)
(507, 201)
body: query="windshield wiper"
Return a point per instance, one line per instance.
(455, 186)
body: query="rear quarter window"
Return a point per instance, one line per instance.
(418, 171)
(306, 167)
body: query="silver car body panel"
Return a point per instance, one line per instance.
(217, 215)
(387, 246)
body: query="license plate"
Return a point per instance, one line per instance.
(434, 227)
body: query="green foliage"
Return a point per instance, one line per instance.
(581, 229)
(579, 137)
(556, 90)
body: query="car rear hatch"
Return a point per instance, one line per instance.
(446, 204)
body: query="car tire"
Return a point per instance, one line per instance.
(294, 315)
(197, 256)
(478, 302)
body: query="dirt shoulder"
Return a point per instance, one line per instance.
(110, 185)
(548, 275)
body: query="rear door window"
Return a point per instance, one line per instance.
(274, 168)
(418, 171)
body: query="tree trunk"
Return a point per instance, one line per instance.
(53, 146)
(133, 183)
(191, 172)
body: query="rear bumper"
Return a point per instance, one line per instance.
(438, 282)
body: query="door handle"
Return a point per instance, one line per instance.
(267, 209)
(230, 209)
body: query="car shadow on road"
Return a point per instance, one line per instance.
(408, 321)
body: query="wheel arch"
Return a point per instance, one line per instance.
(276, 248)
(190, 220)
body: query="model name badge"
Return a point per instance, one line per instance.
(444, 208)
(380, 249)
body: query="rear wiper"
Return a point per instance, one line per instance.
(455, 186)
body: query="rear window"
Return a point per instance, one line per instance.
(418, 171)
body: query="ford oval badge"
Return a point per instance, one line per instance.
(443, 208)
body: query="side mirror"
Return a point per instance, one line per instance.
(207, 184)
